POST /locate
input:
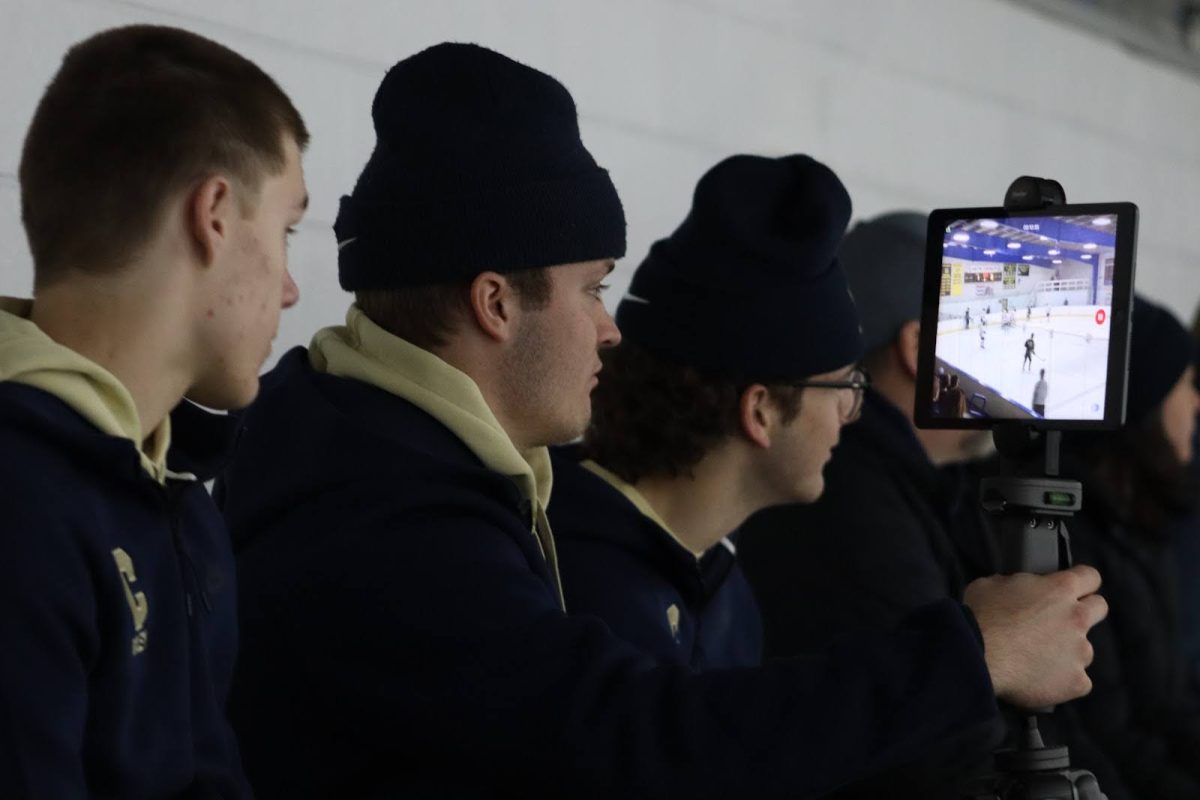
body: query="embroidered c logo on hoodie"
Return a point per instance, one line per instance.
(673, 620)
(138, 606)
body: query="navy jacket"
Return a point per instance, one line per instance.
(117, 611)
(620, 566)
(1185, 544)
(402, 636)
(1142, 710)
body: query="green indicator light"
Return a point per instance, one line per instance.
(1059, 499)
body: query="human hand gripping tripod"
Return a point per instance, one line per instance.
(1031, 516)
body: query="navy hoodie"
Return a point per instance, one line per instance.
(620, 565)
(402, 636)
(117, 610)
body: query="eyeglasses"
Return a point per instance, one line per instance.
(850, 394)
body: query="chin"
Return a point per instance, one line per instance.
(229, 397)
(566, 431)
(810, 491)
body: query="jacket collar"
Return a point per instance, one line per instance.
(587, 507)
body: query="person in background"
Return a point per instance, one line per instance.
(1144, 711)
(160, 178)
(954, 399)
(1185, 538)
(1041, 391)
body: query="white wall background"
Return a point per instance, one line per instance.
(917, 104)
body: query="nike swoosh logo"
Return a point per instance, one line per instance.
(345, 242)
(633, 298)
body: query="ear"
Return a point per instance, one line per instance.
(494, 305)
(908, 343)
(757, 414)
(209, 210)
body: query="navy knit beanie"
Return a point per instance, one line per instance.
(1160, 349)
(749, 287)
(477, 166)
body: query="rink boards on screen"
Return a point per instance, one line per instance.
(1071, 345)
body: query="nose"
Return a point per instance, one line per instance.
(291, 292)
(607, 333)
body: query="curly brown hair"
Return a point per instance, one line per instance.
(654, 418)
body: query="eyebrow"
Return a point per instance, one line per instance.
(610, 266)
(303, 204)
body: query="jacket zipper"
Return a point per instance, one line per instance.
(186, 562)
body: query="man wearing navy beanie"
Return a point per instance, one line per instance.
(402, 616)
(698, 420)
(911, 528)
(906, 520)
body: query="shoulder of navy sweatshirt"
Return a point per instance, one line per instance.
(619, 565)
(117, 610)
(401, 635)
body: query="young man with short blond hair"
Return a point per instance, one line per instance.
(159, 180)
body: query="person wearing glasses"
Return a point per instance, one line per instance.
(711, 409)
(735, 375)
(898, 526)
(885, 482)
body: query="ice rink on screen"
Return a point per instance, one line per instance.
(1071, 346)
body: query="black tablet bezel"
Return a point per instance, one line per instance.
(1124, 267)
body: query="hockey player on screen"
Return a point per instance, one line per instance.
(1029, 351)
(1040, 391)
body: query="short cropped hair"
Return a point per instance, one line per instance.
(428, 315)
(652, 418)
(133, 116)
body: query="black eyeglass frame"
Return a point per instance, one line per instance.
(860, 381)
(854, 383)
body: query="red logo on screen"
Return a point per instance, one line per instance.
(1100, 316)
